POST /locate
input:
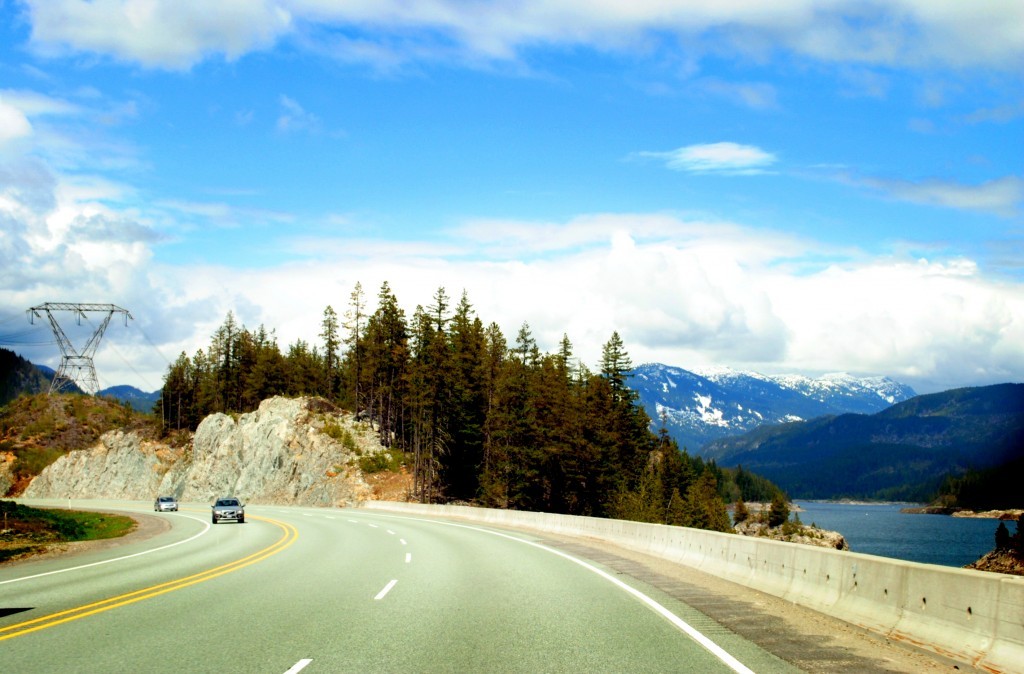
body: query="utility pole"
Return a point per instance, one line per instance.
(76, 367)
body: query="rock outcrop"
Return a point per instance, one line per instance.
(999, 561)
(794, 533)
(298, 451)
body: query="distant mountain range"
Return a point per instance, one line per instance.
(139, 400)
(702, 406)
(901, 453)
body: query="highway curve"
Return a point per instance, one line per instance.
(331, 590)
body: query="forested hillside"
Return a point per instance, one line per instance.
(484, 421)
(902, 453)
(18, 376)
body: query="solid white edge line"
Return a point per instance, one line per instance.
(115, 559)
(727, 658)
(299, 666)
(387, 588)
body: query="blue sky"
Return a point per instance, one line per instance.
(813, 188)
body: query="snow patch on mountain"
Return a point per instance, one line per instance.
(709, 403)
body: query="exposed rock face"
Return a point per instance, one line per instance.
(290, 452)
(119, 466)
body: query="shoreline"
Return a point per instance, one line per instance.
(1009, 514)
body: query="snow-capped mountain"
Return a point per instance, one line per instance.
(707, 404)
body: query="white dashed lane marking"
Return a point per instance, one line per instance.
(387, 588)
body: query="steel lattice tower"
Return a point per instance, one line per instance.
(76, 367)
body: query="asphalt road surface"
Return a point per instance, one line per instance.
(330, 590)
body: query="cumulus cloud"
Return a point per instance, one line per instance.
(180, 33)
(720, 158)
(894, 316)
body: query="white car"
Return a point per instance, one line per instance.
(165, 503)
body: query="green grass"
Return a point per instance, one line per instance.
(25, 530)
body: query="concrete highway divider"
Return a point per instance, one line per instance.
(970, 616)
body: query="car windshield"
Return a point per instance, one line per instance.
(166, 499)
(227, 502)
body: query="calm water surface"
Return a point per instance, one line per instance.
(883, 530)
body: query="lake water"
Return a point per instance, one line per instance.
(883, 530)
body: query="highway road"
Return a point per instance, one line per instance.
(347, 590)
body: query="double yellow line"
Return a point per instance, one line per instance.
(288, 537)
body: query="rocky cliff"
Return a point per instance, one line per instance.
(290, 451)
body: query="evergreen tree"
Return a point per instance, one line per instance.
(305, 369)
(385, 348)
(354, 323)
(224, 353)
(1002, 537)
(461, 465)
(740, 513)
(778, 513)
(332, 344)
(616, 366)
(704, 507)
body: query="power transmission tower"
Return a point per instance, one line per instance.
(76, 367)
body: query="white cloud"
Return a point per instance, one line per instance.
(755, 95)
(722, 158)
(220, 213)
(180, 33)
(34, 104)
(14, 125)
(295, 118)
(999, 115)
(173, 34)
(931, 322)
(1002, 196)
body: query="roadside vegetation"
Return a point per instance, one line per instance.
(27, 531)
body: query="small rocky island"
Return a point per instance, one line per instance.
(773, 521)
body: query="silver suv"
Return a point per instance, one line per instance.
(228, 508)
(165, 503)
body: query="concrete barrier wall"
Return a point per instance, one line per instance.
(970, 616)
